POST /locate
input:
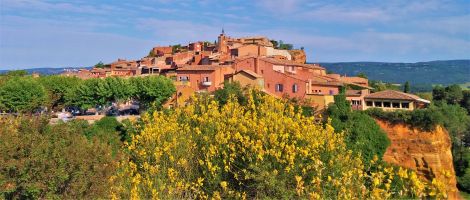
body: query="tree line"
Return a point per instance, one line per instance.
(20, 93)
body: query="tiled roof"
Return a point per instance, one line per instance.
(392, 94)
(200, 67)
(290, 63)
(353, 92)
(353, 79)
(329, 83)
(251, 73)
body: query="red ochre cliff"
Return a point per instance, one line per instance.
(426, 152)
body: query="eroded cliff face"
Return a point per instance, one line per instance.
(428, 153)
(298, 56)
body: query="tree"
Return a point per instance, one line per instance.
(84, 95)
(152, 91)
(230, 89)
(56, 88)
(151, 53)
(466, 100)
(41, 161)
(100, 65)
(22, 94)
(176, 48)
(363, 135)
(362, 75)
(14, 73)
(406, 88)
(275, 44)
(439, 93)
(454, 94)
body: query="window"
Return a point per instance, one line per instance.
(262, 71)
(405, 105)
(355, 102)
(377, 103)
(369, 103)
(332, 92)
(206, 79)
(279, 87)
(396, 105)
(268, 85)
(295, 88)
(184, 78)
(387, 104)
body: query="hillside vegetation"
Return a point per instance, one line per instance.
(434, 72)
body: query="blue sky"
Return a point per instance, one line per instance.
(43, 33)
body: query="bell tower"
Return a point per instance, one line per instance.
(222, 42)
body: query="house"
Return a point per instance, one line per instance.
(248, 78)
(162, 51)
(390, 100)
(203, 77)
(288, 78)
(356, 98)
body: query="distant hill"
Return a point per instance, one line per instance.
(48, 70)
(420, 73)
(423, 73)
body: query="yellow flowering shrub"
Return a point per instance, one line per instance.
(265, 149)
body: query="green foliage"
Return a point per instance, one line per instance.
(175, 48)
(362, 75)
(57, 87)
(466, 100)
(14, 73)
(230, 89)
(452, 94)
(380, 86)
(275, 43)
(285, 46)
(421, 73)
(152, 91)
(22, 94)
(406, 87)
(85, 95)
(149, 91)
(100, 65)
(151, 54)
(425, 119)
(41, 161)
(425, 95)
(363, 135)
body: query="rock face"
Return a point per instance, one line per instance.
(298, 56)
(428, 153)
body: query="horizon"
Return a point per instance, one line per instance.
(42, 67)
(81, 34)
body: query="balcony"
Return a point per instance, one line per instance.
(206, 83)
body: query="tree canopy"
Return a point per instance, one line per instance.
(22, 94)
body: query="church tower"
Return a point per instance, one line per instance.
(222, 43)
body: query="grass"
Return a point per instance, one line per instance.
(465, 195)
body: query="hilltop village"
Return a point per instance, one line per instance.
(252, 61)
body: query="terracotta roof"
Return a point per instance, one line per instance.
(290, 63)
(329, 83)
(251, 73)
(353, 79)
(200, 67)
(392, 94)
(359, 85)
(353, 92)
